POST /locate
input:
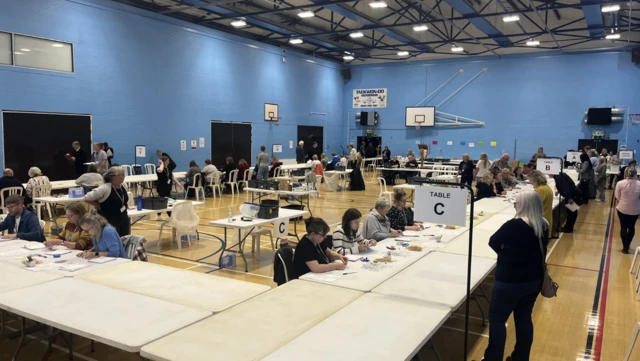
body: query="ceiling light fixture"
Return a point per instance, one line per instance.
(403, 53)
(610, 8)
(238, 22)
(17, 53)
(27, 50)
(378, 4)
(457, 49)
(357, 34)
(57, 45)
(306, 14)
(348, 57)
(420, 28)
(533, 42)
(295, 41)
(510, 18)
(612, 36)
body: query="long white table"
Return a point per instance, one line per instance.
(439, 278)
(255, 328)
(188, 288)
(298, 196)
(117, 318)
(407, 325)
(13, 278)
(460, 244)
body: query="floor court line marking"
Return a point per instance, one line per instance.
(578, 268)
(461, 330)
(59, 348)
(554, 246)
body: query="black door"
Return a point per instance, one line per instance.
(311, 134)
(230, 139)
(597, 145)
(374, 141)
(50, 136)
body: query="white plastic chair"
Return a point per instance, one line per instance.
(42, 223)
(9, 192)
(214, 183)
(197, 186)
(247, 176)
(42, 190)
(128, 171)
(383, 188)
(184, 220)
(233, 181)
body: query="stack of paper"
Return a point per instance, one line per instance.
(58, 251)
(72, 267)
(32, 246)
(410, 234)
(101, 260)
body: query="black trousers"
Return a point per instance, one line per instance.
(571, 220)
(627, 228)
(466, 181)
(584, 189)
(121, 223)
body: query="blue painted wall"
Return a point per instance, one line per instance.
(536, 101)
(152, 80)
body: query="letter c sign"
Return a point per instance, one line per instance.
(281, 228)
(438, 211)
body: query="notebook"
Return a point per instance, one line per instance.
(101, 260)
(72, 267)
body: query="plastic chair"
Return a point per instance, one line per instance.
(634, 338)
(184, 220)
(233, 181)
(42, 223)
(255, 238)
(42, 190)
(635, 263)
(247, 176)
(128, 171)
(214, 183)
(197, 187)
(383, 188)
(9, 192)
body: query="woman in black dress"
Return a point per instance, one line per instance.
(166, 180)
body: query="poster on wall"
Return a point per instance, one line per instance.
(194, 145)
(370, 98)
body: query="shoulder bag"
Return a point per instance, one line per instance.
(549, 288)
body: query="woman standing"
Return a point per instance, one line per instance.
(353, 156)
(386, 155)
(166, 180)
(483, 166)
(347, 238)
(111, 198)
(401, 216)
(539, 183)
(521, 245)
(73, 236)
(628, 196)
(466, 169)
(601, 178)
(312, 255)
(585, 177)
(106, 242)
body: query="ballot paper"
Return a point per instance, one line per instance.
(72, 267)
(322, 277)
(32, 246)
(572, 206)
(101, 260)
(410, 234)
(60, 252)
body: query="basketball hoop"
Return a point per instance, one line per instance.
(275, 120)
(418, 123)
(635, 119)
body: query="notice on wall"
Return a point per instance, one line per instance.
(480, 143)
(549, 166)
(276, 148)
(573, 157)
(183, 145)
(441, 205)
(471, 145)
(291, 144)
(370, 98)
(626, 154)
(493, 144)
(194, 144)
(449, 142)
(201, 142)
(141, 151)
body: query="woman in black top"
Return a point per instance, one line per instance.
(466, 170)
(485, 188)
(166, 180)
(312, 255)
(401, 216)
(521, 245)
(111, 200)
(586, 176)
(386, 155)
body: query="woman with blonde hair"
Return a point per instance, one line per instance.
(483, 166)
(73, 236)
(485, 187)
(539, 183)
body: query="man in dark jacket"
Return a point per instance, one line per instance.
(20, 222)
(571, 195)
(300, 158)
(172, 164)
(79, 158)
(8, 180)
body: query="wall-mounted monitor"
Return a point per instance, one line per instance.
(599, 116)
(420, 116)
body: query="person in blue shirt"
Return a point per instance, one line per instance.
(106, 241)
(335, 159)
(21, 223)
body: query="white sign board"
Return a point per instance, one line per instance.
(441, 205)
(141, 151)
(194, 145)
(183, 145)
(276, 148)
(201, 142)
(471, 145)
(281, 228)
(626, 154)
(291, 144)
(370, 98)
(549, 166)
(573, 157)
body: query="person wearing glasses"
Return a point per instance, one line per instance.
(111, 199)
(105, 238)
(21, 223)
(401, 216)
(72, 236)
(312, 255)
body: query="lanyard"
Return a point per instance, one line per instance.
(118, 194)
(319, 250)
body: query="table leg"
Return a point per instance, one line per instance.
(223, 248)
(21, 341)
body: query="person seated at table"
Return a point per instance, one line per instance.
(228, 168)
(395, 163)
(411, 163)
(344, 162)
(497, 180)
(72, 236)
(111, 199)
(105, 238)
(518, 173)
(242, 167)
(312, 254)
(335, 159)
(401, 216)
(486, 187)
(36, 178)
(208, 170)
(21, 223)
(507, 180)
(91, 178)
(8, 181)
(275, 163)
(376, 225)
(193, 170)
(347, 238)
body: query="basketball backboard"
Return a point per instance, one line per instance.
(420, 116)
(270, 112)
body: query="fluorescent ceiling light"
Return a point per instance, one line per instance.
(457, 49)
(348, 57)
(357, 34)
(56, 45)
(511, 18)
(296, 41)
(610, 8)
(17, 52)
(403, 53)
(239, 22)
(27, 50)
(613, 36)
(420, 28)
(306, 14)
(533, 43)
(378, 4)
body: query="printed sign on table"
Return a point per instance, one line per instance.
(441, 205)
(370, 98)
(573, 157)
(626, 154)
(549, 166)
(281, 228)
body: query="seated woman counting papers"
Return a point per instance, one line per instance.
(376, 224)
(314, 256)
(485, 188)
(73, 236)
(90, 179)
(347, 238)
(401, 216)
(106, 241)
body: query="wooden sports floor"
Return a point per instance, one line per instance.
(591, 319)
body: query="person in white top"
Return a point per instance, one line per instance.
(208, 170)
(483, 166)
(353, 156)
(347, 238)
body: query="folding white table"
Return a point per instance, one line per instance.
(460, 244)
(255, 328)
(188, 288)
(408, 324)
(494, 222)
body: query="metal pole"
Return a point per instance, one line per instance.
(463, 85)
(443, 84)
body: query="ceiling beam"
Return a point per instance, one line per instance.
(200, 6)
(593, 16)
(462, 7)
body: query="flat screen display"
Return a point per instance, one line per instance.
(599, 116)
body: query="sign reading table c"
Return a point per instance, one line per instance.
(549, 165)
(281, 228)
(441, 205)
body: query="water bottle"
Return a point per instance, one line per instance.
(138, 198)
(229, 215)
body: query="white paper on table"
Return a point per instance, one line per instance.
(72, 267)
(58, 252)
(41, 267)
(32, 246)
(572, 206)
(101, 260)
(15, 252)
(353, 257)
(322, 277)
(410, 234)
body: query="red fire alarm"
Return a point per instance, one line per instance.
(434, 142)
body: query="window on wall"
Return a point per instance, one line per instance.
(5, 48)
